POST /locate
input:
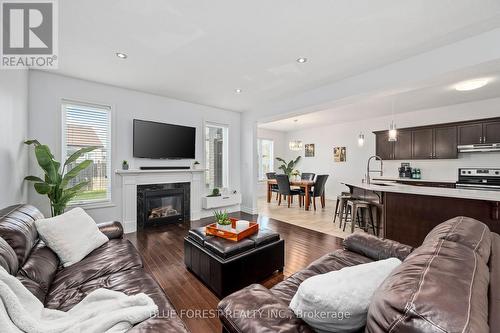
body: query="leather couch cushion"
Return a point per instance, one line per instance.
(441, 287)
(376, 248)
(8, 258)
(39, 270)
(466, 231)
(494, 294)
(17, 228)
(334, 261)
(130, 282)
(114, 256)
(226, 249)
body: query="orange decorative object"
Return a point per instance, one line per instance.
(232, 234)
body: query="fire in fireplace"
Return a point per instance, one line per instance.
(162, 203)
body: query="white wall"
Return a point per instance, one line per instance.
(326, 137)
(47, 90)
(13, 131)
(280, 150)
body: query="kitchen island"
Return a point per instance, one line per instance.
(406, 213)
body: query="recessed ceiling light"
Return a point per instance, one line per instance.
(121, 55)
(238, 91)
(301, 60)
(471, 84)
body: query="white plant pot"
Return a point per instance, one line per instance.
(227, 227)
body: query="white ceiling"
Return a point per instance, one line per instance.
(202, 50)
(425, 95)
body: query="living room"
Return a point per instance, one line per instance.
(142, 190)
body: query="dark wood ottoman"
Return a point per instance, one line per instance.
(225, 266)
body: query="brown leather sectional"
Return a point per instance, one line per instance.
(116, 265)
(451, 283)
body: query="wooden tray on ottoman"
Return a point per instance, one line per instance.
(211, 229)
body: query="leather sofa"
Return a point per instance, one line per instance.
(451, 283)
(115, 265)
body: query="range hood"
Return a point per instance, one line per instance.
(485, 147)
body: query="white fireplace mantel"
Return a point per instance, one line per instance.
(132, 178)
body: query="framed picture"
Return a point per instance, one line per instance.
(339, 154)
(309, 150)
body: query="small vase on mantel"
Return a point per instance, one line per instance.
(125, 165)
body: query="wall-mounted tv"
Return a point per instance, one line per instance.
(160, 141)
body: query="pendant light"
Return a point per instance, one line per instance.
(295, 145)
(393, 132)
(361, 140)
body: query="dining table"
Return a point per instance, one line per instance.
(305, 185)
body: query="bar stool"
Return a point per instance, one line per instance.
(342, 205)
(360, 206)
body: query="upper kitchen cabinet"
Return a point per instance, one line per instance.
(438, 141)
(403, 146)
(445, 142)
(470, 134)
(384, 148)
(491, 132)
(423, 144)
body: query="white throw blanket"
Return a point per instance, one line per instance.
(101, 311)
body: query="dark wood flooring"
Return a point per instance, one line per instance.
(162, 249)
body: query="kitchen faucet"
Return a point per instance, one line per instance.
(368, 167)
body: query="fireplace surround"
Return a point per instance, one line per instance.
(159, 204)
(133, 178)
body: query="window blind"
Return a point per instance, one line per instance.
(85, 126)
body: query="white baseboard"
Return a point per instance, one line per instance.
(248, 210)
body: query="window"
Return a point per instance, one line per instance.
(265, 151)
(87, 125)
(216, 156)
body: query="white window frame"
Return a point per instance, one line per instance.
(225, 152)
(262, 176)
(99, 203)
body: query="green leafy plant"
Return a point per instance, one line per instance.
(287, 167)
(56, 180)
(296, 173)
(221, 217)
(215, 193)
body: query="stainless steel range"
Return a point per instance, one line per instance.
(479, 179)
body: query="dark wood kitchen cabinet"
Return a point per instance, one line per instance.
(403, 146)
(470, 134)
(384, 148)
(423, 144)
(491, 132)
(445, 142)
(436, 141)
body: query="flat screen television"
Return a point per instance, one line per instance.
(163, 141)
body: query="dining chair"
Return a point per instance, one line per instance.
(307, 176)
(274, 187)
(318, 190)
(285, 189)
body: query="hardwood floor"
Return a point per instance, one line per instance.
(162, 249)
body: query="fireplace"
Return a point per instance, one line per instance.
(159, 204)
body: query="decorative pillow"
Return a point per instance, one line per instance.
(71, 235)
(338, 301)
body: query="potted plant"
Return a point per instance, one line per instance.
(125, 165)
(296, 174)
(56, 180)
(215, 193)
(222, 219)
(288, 167)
